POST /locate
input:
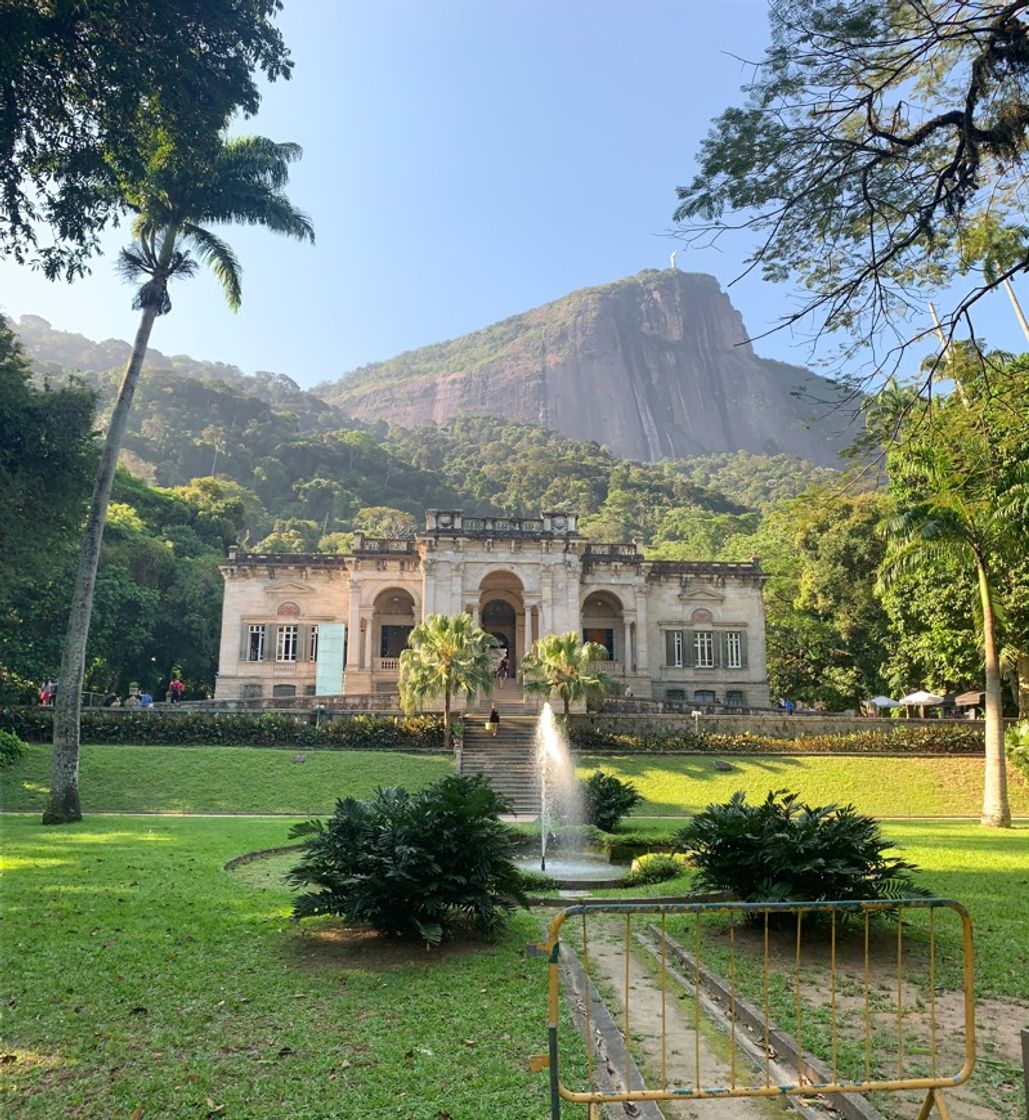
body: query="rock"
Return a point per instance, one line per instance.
(724, 767)
(655, 366)
(300, 758)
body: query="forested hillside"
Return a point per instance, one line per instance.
(215, 458)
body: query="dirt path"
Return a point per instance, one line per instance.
(607, 969)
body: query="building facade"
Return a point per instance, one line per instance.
(686, 631)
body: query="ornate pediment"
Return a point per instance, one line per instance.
(288, 588)
(698, 592)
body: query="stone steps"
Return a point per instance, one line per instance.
(506, 761)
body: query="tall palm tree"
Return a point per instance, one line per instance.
(241, 182)
(958, 512)
(565, 664)
(446, 655)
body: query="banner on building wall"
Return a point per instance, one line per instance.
(331, 644)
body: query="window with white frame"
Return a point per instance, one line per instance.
(677, 648)
(286, 646)
(704, 649)
(312, 649)
(734, 650)
(255, 642)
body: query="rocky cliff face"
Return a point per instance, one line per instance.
(653, 366)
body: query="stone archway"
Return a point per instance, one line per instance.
(603, 622)
(393, 618)
(502, 613)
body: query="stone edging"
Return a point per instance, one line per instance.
(263, 853)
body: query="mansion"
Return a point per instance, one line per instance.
(328, 626)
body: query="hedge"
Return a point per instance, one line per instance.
(269, 729)
(948, 738)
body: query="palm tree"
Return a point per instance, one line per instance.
(565, 664)
(243, 182)
(446, 654)
(955, 511)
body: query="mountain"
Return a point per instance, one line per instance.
(655, 366)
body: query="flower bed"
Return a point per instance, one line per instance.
(948, 738)
(267, 729)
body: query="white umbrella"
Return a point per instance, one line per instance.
(920, 698)
(885, 702)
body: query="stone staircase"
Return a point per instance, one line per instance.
(507, 762)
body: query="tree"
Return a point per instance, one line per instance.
(83, 82)
(881, 151)
(565, 664)
(446, 655)
(960, 475)
(242, 181)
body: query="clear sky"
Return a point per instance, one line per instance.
(464, 160)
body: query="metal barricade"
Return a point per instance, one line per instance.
(771, 1075)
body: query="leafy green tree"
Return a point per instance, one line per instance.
(880, 151)
(565, 664)
(241, 181)
(291, 535)
(446, 655)
(384, 521)
(960, 477)
(82, 85)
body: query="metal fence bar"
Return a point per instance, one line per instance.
(811, 1076)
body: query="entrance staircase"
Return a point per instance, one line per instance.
(507, 762)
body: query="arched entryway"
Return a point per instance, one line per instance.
(393, 618)
(502, 613)
(603, 623)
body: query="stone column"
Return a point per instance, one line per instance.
(354, 627)
(627, 644)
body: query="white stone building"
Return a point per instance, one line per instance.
(674, 630)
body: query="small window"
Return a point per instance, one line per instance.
(735, 699)
(310, 690)
(251, 692)
(734, 650)
(312, 649)
(255, 642)
(675, 694)
(284, 690)
(704, 696)
(286, 648)
(704, 648)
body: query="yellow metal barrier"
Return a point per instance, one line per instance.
(750, 1024)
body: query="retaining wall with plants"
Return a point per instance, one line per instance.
(943, 737)
(237, 729)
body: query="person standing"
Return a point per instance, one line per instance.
(176, 688)
(494, 721)
(503, 670)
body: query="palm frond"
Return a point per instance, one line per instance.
(222, 261)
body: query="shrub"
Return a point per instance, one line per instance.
(785, 851)
(606, 799)
(1016, 743)
(536, 881)
(950, 737)
(237, 729)
(412, 864)
(11, 749)
(655, 867)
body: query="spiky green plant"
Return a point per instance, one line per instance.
(565, 664)
(446, 655)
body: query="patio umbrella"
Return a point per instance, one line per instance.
(920, 699)
(885, 702)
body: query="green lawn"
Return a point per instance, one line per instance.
(888, 787)
(256, 780)
(140, 975)
(219, 779)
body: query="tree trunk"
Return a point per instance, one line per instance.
(996, 810)
(1023, 685)
(446, 718)
(63, 805)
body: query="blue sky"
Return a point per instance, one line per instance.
(464, 160)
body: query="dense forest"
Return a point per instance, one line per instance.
(215, 457)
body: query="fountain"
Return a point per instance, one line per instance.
(560, 801)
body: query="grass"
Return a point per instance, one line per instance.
(142, 980)
(887, 787)
(262, 780)
(219, 779)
